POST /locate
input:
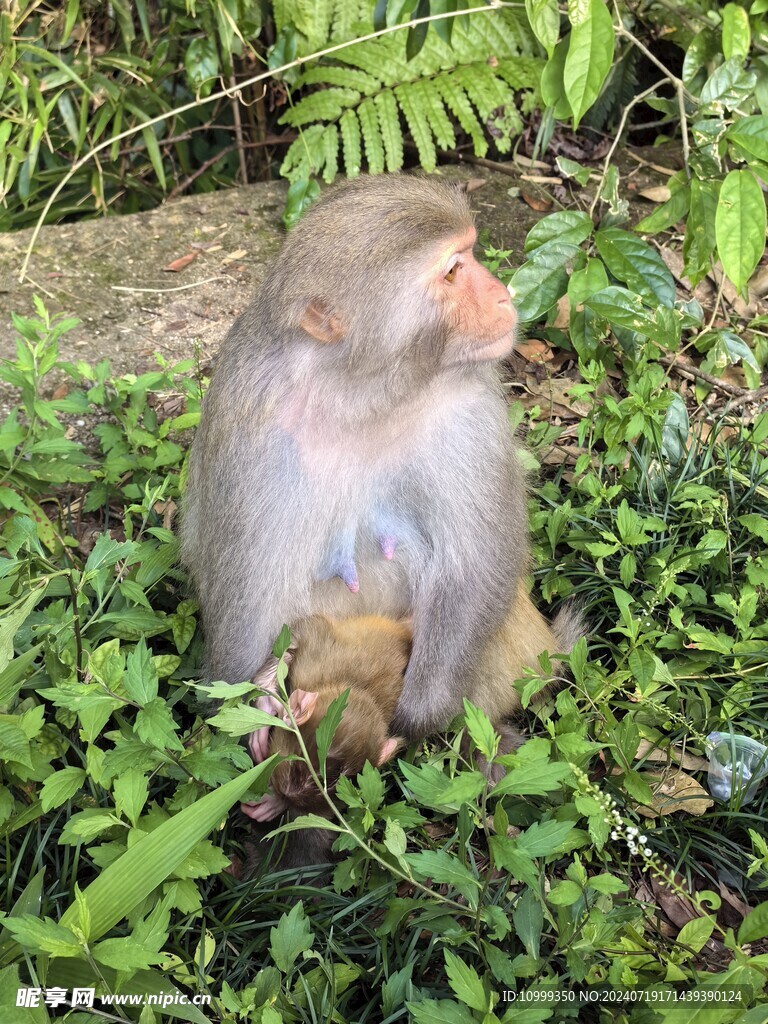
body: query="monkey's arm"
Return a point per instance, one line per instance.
(477, 538)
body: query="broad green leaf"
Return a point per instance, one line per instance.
(740, 226)
(42, 935)
(755, 925)
(131, 791)
(60, 786)
(291, 937)
(700, 239)
(480, 729)
(571, 226)
(552, 88)
(13, 619)
(445, 869)
(749, 135)
(328, 726)
(431, 788)
(528, 918)
(544, 17)
(634, 262)
(439, 1011)
(466, 983)
(695, 933)
(736, 32)
(589, 59)
(150, 861)
(541, 281)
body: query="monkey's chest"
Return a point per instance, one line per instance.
(373, 546)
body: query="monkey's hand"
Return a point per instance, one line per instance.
(269, 807)
(258, 741)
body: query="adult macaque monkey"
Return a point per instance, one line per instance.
(354, 455)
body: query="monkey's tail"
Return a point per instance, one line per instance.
(569, 626)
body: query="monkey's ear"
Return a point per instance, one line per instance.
(389, 749)
(302, 704)
(322, 323)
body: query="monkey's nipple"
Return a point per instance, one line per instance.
(388, 546)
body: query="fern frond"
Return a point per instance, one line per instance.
(349, 78)
(456, 100)
(491, 72)
(306, 155)
(330, 144)
(374, 144)
(350, 18)
(391, 133)
(485, 90)
(323, 105)
(410, 99)
(312, 18)
(520, 72)
(351, 142)
(384, 58)
(439, 122)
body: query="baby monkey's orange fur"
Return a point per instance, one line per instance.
(368, 655)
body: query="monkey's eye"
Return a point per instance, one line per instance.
(450, 275)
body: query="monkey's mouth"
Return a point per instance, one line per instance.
(494, 349)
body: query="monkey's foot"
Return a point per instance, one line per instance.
(269, 807)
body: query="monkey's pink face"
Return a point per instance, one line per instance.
(476, 305)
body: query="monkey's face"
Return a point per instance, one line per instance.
(476, 307)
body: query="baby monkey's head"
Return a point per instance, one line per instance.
(366, 655)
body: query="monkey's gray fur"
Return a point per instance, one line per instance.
(303, 442)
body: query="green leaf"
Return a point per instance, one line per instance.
(544, 838)
(534, 779)
(131, 791)
(528, 918)
(60, 786)
(565, 893)
(13, 619)
(301, 195)
(444, 869)
(243, 719)
(155, 725)
(466, 983)
(328, 726)
(154, 154)
(480, 729)
(125, 954)
(571, 226)
(147, 863)
(432, 788)
(749, 135)
(291, 937)
(736, 32)
(740, 225)
(140, 679)
(700, 239)
(670, 212)
(544, 17)
(635, 263)
(589, 58)
(439, 1011)
(695, 934)
(755, 925)
(43, 935)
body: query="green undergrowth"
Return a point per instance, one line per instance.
(451, 901)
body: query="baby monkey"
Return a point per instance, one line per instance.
(368, 655)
